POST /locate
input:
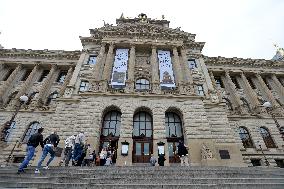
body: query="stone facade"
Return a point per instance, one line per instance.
(214, 97)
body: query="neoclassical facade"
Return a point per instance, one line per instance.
(143, 85)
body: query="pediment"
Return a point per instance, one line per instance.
(144, 29)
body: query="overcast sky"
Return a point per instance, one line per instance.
(230, 28)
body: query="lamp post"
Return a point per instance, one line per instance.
(265, 159)
(269, 108)
(23, 99)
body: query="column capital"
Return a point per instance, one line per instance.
(153, 47)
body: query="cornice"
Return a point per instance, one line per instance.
(238, 62)
(44, 54)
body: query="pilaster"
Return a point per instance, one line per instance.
(231, 88)
(108, 64)
(66, 81)
(264, 89)
(46, 85)
(177, 68)
(155, 72)
(131, 66)
(279, 87)
(250, 93)
(28, 83)
(9, 83)
(100, 63)
(3, 71)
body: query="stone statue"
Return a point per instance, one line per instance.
(279, 53)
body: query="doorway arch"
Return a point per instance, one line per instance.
(142, 137)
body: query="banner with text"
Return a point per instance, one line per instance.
(119, 67)
(166, 71)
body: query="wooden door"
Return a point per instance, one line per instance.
(142, 151)
(173, 156)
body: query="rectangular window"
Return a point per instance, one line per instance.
(281, 80)
(84, 86)
(92, 60)
(8, 74)
(266, 82)
(219, 82)
(235, 81)
(26, 75)
(200, 90)
(251, 83)
(192, 64)
(279, 163)
(61, 76)
(224, 154)
(43, 75)
(9, 131)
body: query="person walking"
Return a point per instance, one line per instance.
(69, 146)
(183, 154)
(78, 149)
(50, 143)
(33, 142)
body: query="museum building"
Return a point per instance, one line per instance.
(141, 87)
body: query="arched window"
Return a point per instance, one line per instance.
(142, 84)
(173, 125)
(142, 124)
(30, 131)
(245, 137)
(267, 138)
(111, 124)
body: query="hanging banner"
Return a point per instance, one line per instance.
(166, 71)
(119, 67)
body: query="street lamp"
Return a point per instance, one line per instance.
(23, 99)
(269, 108)
(265, 159)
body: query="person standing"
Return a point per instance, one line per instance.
(78, 149)
(33, 142)
(183, 154)
(161, 160)
(69, 146)
(153, 160)
(50, 143)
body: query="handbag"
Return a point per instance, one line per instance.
(57, 151)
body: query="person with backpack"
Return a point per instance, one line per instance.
(33, 142)
(50, 143)
(153, 160)
(80, 141)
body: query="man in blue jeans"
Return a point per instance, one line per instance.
(33, 142)
(51, 142)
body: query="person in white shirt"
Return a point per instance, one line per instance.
(69, 146)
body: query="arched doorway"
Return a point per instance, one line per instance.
(110, 131)
(142, 137)
(174, 134)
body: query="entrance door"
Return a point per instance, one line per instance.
(173, 156)
(142, 151)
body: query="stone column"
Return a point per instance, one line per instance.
(187, 72)
(71, 86)
(8, 83)
(131, 66)
(100, 63)
(66, 81)
(214, 98)
(250, 93)
(230, 86)
(177, 68)
(28, 83)
(3, 71)
(280, 88)
(108, 64)
(45, 86)
(155, 71)
(266, 91)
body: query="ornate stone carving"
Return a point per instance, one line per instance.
(206, 153)
(68, 92)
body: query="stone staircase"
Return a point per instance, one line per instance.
(144, 177)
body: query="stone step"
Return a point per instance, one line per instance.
(141, 180)
(43, 185)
